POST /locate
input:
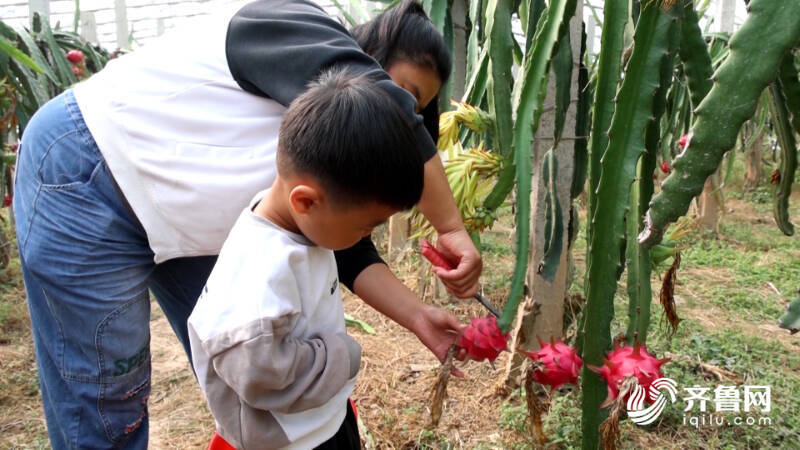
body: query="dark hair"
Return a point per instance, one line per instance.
(352, 137)
(404, 33)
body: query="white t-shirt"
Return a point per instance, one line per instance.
(268, 340)
(188, 148)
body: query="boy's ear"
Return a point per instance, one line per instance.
(303, 197)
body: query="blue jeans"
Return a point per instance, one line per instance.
(87, 268)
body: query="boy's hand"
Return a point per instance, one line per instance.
(458, 248)
(437, 329)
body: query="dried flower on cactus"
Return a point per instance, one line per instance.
(775, 177)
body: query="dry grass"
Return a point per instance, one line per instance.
(395, 385)
(21, 415)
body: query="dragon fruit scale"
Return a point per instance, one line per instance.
(559, 364)
(482, 339)
(629, 361)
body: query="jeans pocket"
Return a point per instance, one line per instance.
(122, 405)
(123, 347)
(68, 162)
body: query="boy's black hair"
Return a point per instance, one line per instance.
(404, 33)
(352, 137)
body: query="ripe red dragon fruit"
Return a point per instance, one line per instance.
(629, 361)
(665, 167)
(482, 339)
(683, 141)
(75, 56)
(7, 201)
(560, 364)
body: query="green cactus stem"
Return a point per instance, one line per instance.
(473, 41)
(58, 55)
(476, 85)
(446, 91)
(562, 70)
(616, 14)
(609, 67)
(788, 144)
(638, 258)
(756, 50)
(554, 219)
(634, 111)
(529, 93)
(791, 88)
(41, 65)
(694, 54)
(582, 120)
(498, 30)
(529, 12)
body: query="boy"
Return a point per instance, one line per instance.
(267, 335)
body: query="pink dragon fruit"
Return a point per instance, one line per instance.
(560, 364)
(482, 339)
(629, 361)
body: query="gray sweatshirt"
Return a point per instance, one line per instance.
(268, 340)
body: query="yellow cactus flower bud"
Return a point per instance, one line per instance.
(448, 130)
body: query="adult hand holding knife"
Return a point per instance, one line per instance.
(439, 260)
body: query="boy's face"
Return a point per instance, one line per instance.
(333, 226)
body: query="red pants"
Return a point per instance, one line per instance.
(218, 443)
